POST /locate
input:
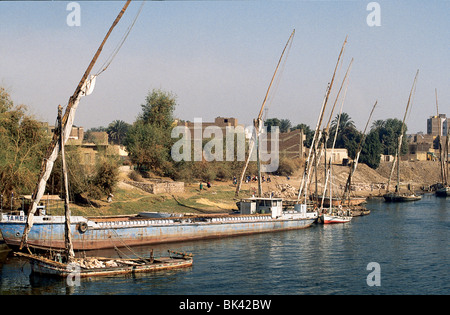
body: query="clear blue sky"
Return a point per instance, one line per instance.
(218, 58)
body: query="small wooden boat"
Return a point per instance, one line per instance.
(102, 266)
(359, 211)
(443, 191)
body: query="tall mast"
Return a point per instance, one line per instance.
(317, 133)
(400, 140)
(66, 123)
(355, 163)
(326, 134)
(258, 124)
(67, 233)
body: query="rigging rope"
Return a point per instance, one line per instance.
(126, 246)
(277, 81)
(119, 45)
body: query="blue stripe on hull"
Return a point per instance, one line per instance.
(52, 235)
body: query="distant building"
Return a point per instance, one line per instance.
(221, 122)
(89, 148)
(337, 155)
(290, 144)
(437, 125)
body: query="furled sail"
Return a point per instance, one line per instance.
(85, 87)
(53, 152)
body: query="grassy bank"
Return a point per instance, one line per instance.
(130, 200)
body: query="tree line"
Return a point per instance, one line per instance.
(381, 139)
(23, 142)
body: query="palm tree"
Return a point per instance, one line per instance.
(285, 125)
(380, 123)
(117, 130)
(345, 122)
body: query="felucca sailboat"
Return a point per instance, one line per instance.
(397, 196)
(57, 264)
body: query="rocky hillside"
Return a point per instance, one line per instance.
(366, 180)
(418, 172)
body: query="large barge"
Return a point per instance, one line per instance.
(257, 215)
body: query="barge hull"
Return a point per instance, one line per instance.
(105, 235)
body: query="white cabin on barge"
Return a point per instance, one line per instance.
(254, 205)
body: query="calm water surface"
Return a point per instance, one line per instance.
(409, 241)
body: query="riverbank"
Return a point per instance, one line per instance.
(220, 197)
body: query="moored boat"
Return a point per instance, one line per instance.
(102, 266)
(443, 191)
(397, 196)
(258, 215)
(401, 197)
(332, 219)
(337, 201)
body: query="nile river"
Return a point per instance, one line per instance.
(407, 242)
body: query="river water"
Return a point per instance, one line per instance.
(400, 248)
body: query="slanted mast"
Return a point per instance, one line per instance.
(400, 140)
(84, 87)
(258, 125)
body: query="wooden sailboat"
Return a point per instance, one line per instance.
(52, 264)
(316, 197)
(443, 191)
(346, 199)
(344, 210)
(330, 213)
(258, 124)
(397, 196)
(259, 204)
(334, 214)
(312, 155)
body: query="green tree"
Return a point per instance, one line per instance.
(106, 176)
(158, 109)
(148, 140)
(371, 150)
(86, 182)
(349, 139)
(344, 122)
(22, 145)
(347, 136)
(378, 124)
(272, 122)
(284, 124)
(388, 134)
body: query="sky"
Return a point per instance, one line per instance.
(218, 58)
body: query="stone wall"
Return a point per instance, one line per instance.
(159, 187)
